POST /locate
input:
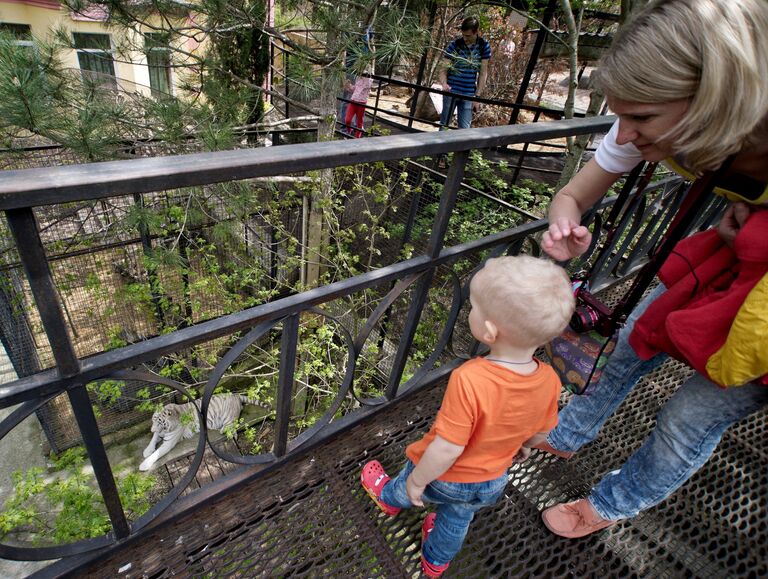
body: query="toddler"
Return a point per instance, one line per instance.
(494, 409)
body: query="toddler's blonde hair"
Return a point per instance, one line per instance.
(530, 300)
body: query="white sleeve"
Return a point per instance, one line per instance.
(616, 158)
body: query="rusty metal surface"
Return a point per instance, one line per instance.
(310, 518)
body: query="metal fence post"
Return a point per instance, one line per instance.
(549, 11)
(435, 244)
(288, 349)
(89, 429)
(32, 255)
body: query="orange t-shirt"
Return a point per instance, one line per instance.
(491, 411)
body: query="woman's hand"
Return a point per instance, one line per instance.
(732, 222)
(565, 239)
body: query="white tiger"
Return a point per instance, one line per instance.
(177, 421)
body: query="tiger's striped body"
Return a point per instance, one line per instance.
(176, 422)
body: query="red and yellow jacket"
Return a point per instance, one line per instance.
(714, 314)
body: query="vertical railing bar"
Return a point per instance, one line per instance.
(523, 153)
(376, 103)
(285, 76)
(89, 429)
(447, 203)
(288, 349)
(32, 255)
(435, 244)
(549, 11)
(413, 211)
(273, 241)
(619, 216)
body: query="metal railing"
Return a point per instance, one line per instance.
(515, 108)
(21, 191)
(393, 119)
(388, 116)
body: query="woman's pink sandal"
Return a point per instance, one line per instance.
(373, 479)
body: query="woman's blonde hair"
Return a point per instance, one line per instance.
(711, 52)
(529, 299)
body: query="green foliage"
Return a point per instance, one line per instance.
(67, 506)
(230, 72)
(39, 96)
(107, 391)
(304, 83)
(475, 215)
(188, 418)
(225, 247)
(401, 37)
(495, 177)
(247, 432)
(31, 81)
(148, 404)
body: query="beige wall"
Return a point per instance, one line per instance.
(44, 15)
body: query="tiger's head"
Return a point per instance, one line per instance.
(171, 417)
(164, 420)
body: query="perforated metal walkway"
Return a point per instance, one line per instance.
(310, 518)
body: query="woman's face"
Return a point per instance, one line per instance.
(644, 124)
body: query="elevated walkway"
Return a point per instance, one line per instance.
(304, 514)
(309, 517)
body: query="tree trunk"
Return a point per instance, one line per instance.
(573, 62)
(318, 236)
(576, 150)
(596, 99)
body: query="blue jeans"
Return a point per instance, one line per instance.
(688, 427)
(456, 506)
(463, 111)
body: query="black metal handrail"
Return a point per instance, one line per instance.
(22, 190)
(33, 187)
(556, 113)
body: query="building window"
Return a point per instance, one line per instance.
(159, 63)
(94, 53)
(21, 33)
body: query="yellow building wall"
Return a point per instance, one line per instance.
(43, 16)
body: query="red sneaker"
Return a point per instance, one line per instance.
(373, 478)
(429, 569)
(573, 520)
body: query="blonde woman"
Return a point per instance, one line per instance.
(688, 80)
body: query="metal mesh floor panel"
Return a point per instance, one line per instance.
(310, 518)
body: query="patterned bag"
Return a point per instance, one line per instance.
(578, 359)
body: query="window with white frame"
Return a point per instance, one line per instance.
(20, 33)
(156, 46)
(94, 54)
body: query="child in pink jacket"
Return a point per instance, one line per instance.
(360, 90)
